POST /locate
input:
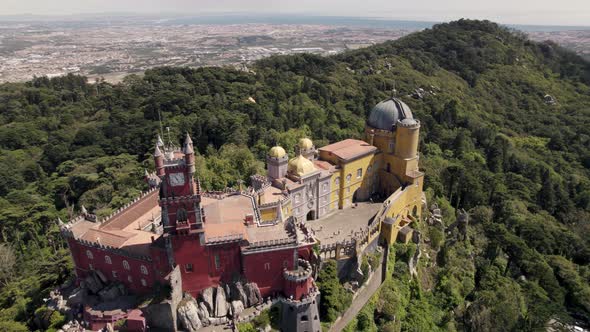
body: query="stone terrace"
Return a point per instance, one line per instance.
(342, 224)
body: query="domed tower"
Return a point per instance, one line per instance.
(276, 161)
(391, 127)
(300, 166)
(306, 148)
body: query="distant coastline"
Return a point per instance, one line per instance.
(240, 18)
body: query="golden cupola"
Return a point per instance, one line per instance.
(300, 166)
(277, 152)
(305, 144)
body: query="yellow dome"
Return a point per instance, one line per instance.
(305, 144)
(277, 152)
(300, 166)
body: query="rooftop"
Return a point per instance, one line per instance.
(349, 149)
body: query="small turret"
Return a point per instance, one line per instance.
(189, 153)
(83, 210)
(159, 161)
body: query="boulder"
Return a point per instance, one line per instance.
(252, 293)
(110, 293)
(203, 314)
(238, 293)
(161, 315)
(92, 283)
(221, 307)
(219, 320)
(237, 307)
(188, 316)
(207, 298)
(78, 296)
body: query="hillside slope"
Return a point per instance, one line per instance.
(492, 143)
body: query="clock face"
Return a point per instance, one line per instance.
(177, 179)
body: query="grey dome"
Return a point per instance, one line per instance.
(386, 114)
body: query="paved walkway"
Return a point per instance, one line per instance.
(359, 301)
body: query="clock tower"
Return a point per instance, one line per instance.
(180, 198)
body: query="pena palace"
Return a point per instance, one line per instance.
(256, 233)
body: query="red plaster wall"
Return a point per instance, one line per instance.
(269, 280)
(98, 262)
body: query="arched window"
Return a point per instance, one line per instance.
(359, 173)
(348, 177)
(89, 254)
(107, 259)
(126, 265)
(130, 278)
(337, 181)
(143, 282)
(181, 215)
(297, 197)
(388, 167)
(144, 270)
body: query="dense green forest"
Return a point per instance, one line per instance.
(492, 143)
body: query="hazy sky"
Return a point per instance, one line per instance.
(558, 12)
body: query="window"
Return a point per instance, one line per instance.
(325, 187)
(115, 274)
(297, 198)
(143, 282)
(126, 265)
(285, 264)
(267, 266)
(337, 181)
(217, 262)
(144, 270)
(107, 259)
(369, 169)
(391, 147)
(359, 173)
(89, 254)
(304, 318)
(348, 177)
(188, 268)
(348, 190)
(388, 167)
(181, 215)
(130, 278)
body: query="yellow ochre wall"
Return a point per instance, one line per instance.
(362, 183)
(403, 202)
(269, 214)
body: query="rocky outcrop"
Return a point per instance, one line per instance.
(252, 294)
(221, 307)
(161, 315)
(236, 307)
(78, 296)
(188, 315)
(207, 298)
(238, 293)
(203, 314)
(112, 292)
(93, 283)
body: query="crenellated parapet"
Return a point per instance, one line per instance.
(224, 239)
(301, 274)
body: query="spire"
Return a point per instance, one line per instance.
(159, 141)
(188, 145)
(157, 152)
(145, 173)
(84, 211)
(59, 222)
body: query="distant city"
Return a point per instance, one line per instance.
(112, 46)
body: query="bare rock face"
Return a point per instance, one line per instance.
(237, 307)
(111, 292)
(207, 298)
(78, 296)
(203, 314)
(238, 293)
(219, 320)
(252, 293)
(188, 316)
(221, 307)
(93, 283)
(161, 315)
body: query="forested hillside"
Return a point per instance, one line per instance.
(505, 135)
